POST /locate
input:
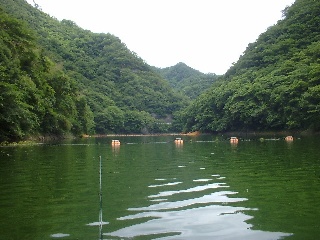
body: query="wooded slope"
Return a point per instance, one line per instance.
(186, 80)
(274, 85)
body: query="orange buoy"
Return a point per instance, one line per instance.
(178, 141)
(289, 138)
(115, 142)
(234, 140)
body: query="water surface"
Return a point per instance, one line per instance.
(152, 188)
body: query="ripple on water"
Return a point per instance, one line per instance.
(206, 217)
(60, 235)
(158, 200)
(202, 180)
(216, 197)
(165, 184)
(204, 213)
(194, 189)
(210, 222)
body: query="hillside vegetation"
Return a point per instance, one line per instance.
(35, 96)
(275, 83)
(58, 79)
(186, 80)
(61, 79)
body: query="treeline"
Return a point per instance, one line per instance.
(59, 79)
(273, 86)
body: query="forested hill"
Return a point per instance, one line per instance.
(187, 80)
(274, 85)
(78, 81)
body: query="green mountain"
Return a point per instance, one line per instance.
(118, 91)
(187, 80)
(274, 85)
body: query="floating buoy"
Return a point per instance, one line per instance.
(234, 140)
(289, 138)
(178, 141)
(115, 142)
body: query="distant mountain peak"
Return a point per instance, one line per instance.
(187, 80)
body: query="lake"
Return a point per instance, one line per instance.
(152, 188)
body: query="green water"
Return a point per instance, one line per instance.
(205, 188)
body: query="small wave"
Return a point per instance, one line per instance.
(217, 197)
(165, 184)
(210, 222)
(221, 177)
(194, 189)
(202, 180)
(158, 200)
(59, 235)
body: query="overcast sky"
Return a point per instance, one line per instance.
(207, 35)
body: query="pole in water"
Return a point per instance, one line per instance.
(101, 222)
(100, 212)
(100, 193)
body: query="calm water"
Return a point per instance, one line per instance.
(154, 189)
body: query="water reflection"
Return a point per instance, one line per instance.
(115, 149)
(197, 223)
(204, 211)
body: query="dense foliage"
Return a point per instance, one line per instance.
(187, 80)
(68, 80)
(35, 97)
(274, 85)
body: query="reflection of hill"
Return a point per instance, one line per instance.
(205, 217)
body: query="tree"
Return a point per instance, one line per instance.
(110, 120)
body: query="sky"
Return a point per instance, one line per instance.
(207, 35)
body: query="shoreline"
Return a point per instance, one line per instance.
(228, 134)
(239, 134)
